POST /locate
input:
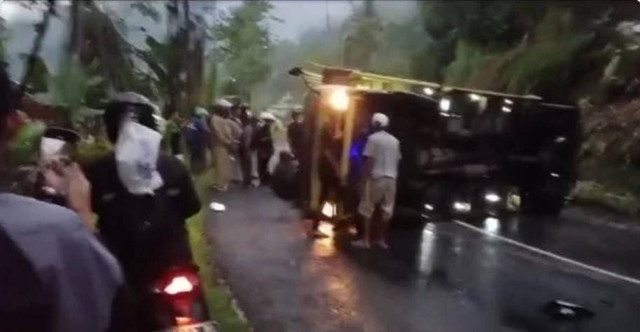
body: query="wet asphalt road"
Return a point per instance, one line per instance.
(443, 277)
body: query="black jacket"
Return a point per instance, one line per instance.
(145, 232)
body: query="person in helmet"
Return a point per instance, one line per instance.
(142, 197)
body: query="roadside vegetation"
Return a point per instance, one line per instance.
(222, 307)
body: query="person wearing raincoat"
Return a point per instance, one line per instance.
(222, 144)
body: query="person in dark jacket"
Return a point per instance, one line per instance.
(263, 144)
(195, 133)
(245, 151)
(142, 215)
(295, 133)
(285, 181)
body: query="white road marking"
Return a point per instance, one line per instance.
(550, 254)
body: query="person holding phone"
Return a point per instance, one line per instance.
(56, 276)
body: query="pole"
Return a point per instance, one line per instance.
(326, 6)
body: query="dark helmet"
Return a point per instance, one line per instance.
(138, 106)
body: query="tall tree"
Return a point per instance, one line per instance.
(244, 42)
(363, 37)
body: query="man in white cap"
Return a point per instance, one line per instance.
(382, 154)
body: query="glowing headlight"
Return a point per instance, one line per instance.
(506, 109)
(508, 101)
(462, 206)
(329, 210)
(339, 100)
(492, 197)
(560, 139)
(428, 91)
(445, 104)
(428, 207)
(474, 97)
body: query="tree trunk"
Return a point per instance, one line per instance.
(75, 33)
(187, 59)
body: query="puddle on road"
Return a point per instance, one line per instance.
(324, 247)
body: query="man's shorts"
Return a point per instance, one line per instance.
(380, 191)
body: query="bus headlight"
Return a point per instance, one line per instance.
(492, 197)
(463, 207)
(329, 209)
(339, 100)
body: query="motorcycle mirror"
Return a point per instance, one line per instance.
(295, 71)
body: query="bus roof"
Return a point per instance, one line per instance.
(357, 76)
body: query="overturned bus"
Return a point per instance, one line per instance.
(464, 151)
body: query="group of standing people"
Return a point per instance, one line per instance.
(234, 136)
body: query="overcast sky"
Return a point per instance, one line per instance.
(296, 16)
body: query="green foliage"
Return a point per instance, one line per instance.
(220, 302)
(467, 60)
(364, 32)
(210, 83)
(90, 151)
(39, 76)
(552, 49)
(147, 10)
(245, 42)
(26, 144)
(105, 49)
(3, 38)
(68, 90)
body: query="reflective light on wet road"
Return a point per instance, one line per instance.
(426, 257)
(324, 247)
(492, 225)
(326, 228)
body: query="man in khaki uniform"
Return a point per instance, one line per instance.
(382, 153)
(222, 145)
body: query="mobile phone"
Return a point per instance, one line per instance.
(58, 145)
(57, 151)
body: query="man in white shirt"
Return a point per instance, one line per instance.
(382, 153)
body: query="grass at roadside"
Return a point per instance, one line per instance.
(219, 299)
(590, 192)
